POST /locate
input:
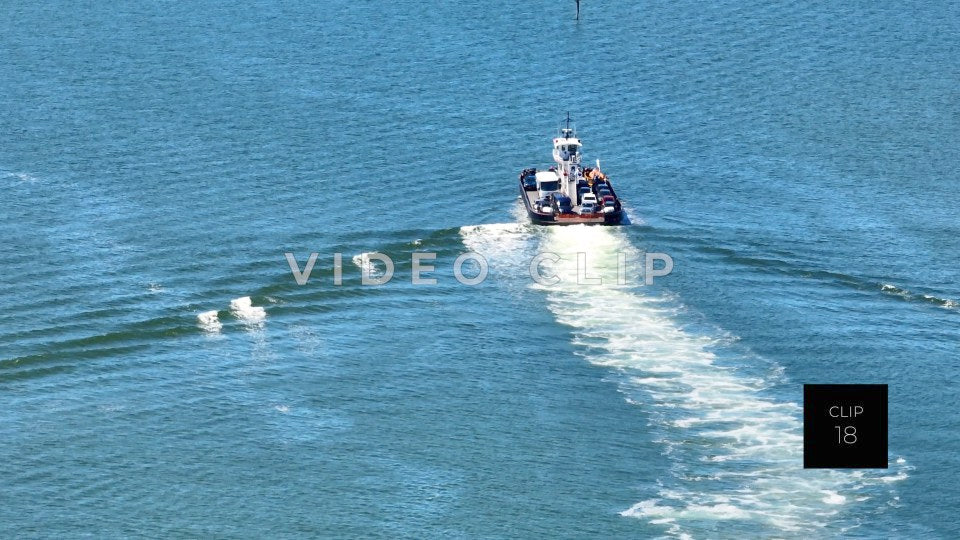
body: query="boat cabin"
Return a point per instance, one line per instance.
(566, 149)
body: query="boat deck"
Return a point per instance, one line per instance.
(572, 219)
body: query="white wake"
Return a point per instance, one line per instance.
(737, 453)
(244, 310)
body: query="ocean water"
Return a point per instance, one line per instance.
(163, 374)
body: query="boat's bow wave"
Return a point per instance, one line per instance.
(736, 451)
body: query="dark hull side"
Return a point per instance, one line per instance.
(539, 218)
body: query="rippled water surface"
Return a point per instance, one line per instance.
(164, 375)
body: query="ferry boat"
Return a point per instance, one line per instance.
(569, 193)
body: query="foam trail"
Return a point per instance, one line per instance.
(209, 322)
(22, 176)
(945, 303)
(507, 248)
(499, 241)
(243, 309)
(363, 262)
(736, 453)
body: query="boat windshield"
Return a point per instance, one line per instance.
(550, 186)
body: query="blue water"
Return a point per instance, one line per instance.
(799, 162)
